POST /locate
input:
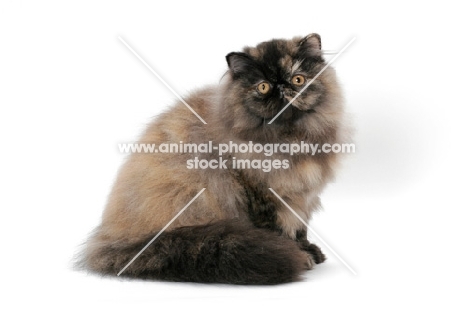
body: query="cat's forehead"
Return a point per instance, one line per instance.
(274, 53)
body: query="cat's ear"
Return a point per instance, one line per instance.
(312, 44)
(240, 63)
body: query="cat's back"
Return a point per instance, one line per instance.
(152, 187)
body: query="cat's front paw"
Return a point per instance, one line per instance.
(316, 253)
(310, 262)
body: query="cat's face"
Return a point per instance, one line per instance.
(267, 77)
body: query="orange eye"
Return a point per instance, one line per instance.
(298, 80)
(263, 87)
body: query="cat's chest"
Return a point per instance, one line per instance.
(301, 177)
(298, 186)
(301, 180)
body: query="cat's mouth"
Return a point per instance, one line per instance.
(306, 106)
(293, 112)
(285, 110)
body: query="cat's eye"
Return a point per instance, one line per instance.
(298, 80)
(263, 87)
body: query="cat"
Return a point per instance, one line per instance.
(237, 231)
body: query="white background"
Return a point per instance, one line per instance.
(70, 91)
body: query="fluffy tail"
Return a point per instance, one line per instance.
(222, 252)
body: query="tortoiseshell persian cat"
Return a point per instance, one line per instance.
(237, 231)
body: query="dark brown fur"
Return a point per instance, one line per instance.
(224, 251)
(237, 231)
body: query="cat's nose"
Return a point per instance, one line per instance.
(281, 90)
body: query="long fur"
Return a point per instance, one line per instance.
(236, 231)
(223, 252)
